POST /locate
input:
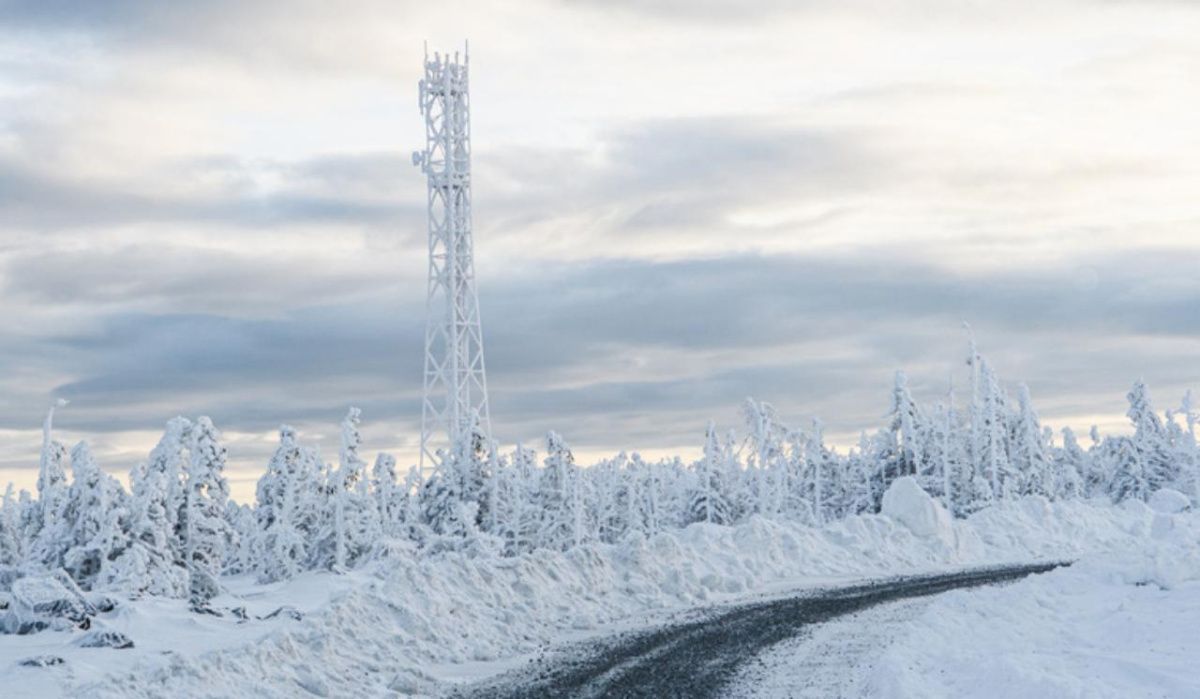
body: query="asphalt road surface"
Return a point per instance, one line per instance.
(697, 658)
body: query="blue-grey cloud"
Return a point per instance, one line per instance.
(776, 313)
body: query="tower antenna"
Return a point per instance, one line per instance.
(455, 399)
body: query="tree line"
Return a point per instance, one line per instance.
(175, 532)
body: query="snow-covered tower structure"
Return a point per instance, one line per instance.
(455, 386)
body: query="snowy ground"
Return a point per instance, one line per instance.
(1116, 624)
(410, 624)
(834, 660)
(1120, 624)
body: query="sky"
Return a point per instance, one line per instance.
(209, 208)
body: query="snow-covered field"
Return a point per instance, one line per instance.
(410, 624)
(1117, 624)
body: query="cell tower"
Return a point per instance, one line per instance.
(455, 393)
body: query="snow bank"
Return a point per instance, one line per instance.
(905, 502)
(1116, 624)
(1169, 501)
(388, 625)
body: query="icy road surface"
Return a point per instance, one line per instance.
(713, 656)
(829, 660)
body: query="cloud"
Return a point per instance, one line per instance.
(344, 189)
(620, 351)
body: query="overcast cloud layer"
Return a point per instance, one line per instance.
(208, 208)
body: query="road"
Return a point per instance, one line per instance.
(698, 658)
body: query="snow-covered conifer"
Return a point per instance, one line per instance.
(1071, 466)
(205, 528)
(1149, 440)
(354, 521)
(91, 522)
(907, 424)
(556, 495)
(1129, 480)
(289, 500)
(389, 500)
(1028, 448)
(169, 459)
(708, 501)
(44, 528)
(11, 545)
(148, 564)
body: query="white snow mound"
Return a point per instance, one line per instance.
(912, 507)
(1169, 501)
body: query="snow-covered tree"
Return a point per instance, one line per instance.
(169, 459)
(1129, 480)
(44, 527)
(709, 499)
(205, 529)
(458, 477)
(992, 437)
(767, 460)
(148, 564)
(91, 519)
(11, 544)
(289, 504)
(1071, 465)
(907, 424)
(1027, 445)
(241, 545)
(556, 496)
(519, 519)
(352, 521)
(1149, 440)
(389, 499)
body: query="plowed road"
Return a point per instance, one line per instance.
(698, 658)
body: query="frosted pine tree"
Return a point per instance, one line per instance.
(907, 424)
(797, 478)
(44, 528)
(823, 475)
(389, 500)
(459, 477)
(241, 545)
(995, 463)
(414, 524)
(556, 496)
(11, 546)
(169, 459)
(1189, 448)
(632, 485)
(524, 518)
(1072, 463)
(767, 460)
(1029, 450)
(1129, 480)
(147, 565)
(859, 497)
(1150, 440)
(355, 520)
(91, 522)
(708, 502)
(607, 498)
(29, 517)
(205, 529)
(288, 505)
(946, 459)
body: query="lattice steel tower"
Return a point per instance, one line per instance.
(455, 392)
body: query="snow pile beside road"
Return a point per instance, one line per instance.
(1116, 624)
(395, 621)
(907, 504)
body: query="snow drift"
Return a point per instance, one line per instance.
(1117, 624)
(389, 625)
